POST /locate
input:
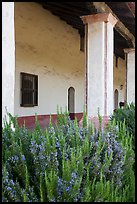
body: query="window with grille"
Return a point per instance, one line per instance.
(29, 90)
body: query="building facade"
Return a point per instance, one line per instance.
(45, 64)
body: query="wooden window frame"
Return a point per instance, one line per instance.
(31, 90)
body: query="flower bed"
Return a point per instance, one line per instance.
(67, 163)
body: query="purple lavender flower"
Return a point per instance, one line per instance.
(73, 175)
(23, 158)
(56, 154)
(9, 188)
(57, 144)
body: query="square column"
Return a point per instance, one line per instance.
(8, 58)
(99, 63)
(130, 75)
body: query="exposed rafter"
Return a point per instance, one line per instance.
(131, 7)
(70, 12)
(120, 27)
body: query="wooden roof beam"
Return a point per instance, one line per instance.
(66, 7)
(60, 11)
(131, 6)
(120, 27)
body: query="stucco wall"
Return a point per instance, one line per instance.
(95, 69)
(48, 47)
(131, 76)
(119, 77)
(8, 57)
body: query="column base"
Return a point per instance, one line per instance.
(95, 121)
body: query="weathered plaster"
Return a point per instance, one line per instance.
(8, 58)
(131, 76)
(99, 62)
(48, 47)
(119, 78)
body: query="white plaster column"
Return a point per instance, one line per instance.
(130, 75)
(99, 63)
(8, 58)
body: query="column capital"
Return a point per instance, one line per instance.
(100, 17)
(128, 50)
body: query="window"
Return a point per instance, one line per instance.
(29, 90)
(82, 43)
(71, 102)
(116, 99)
(116, 61)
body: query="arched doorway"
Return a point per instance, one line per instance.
(71, 103)
(116, 99)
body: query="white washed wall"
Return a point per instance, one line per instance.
(119, 77)
(131, 76)
(8, 57)
(48, 47)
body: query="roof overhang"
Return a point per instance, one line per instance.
(124, 12)
(120, 27)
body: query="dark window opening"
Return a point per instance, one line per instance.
(116, 99)
(116, 61)
(71, 103)
(82, 43)
(29, 90)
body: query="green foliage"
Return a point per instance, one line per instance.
(67, 163)
(126, 114)
(84, 119)
(124, 137)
